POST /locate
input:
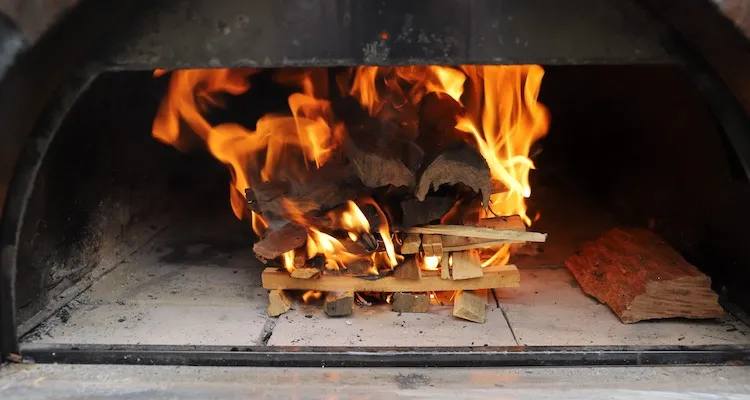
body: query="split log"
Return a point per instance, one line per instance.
(511, 222)
(278, 303)
(279, 241)
(321, 190)
(375, 170)
(641, 277)
(432, 245)
(470, 306)
(479, 232)
(458, 243)
(463, 165)
(494, 277)
(304, 273)
(339, 304)
(411, 244)
(362, 267)
(410, 302)
(460, 265)
(408, 269)
(415, 212)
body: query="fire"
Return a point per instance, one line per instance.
(354, 221)
(311, 295)
(504, 118)
(429, 263)
(499, 115)
(502, 115)
(287, 260)
(421, 79)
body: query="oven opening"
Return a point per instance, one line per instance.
(410, 206)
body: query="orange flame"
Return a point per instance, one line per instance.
(429, 263)
(287, 260)
(353, 221)
(500, 115)
(505, 118)
(310, 128)
(311, 295)
(421, 79)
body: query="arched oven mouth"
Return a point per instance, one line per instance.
(353, 184)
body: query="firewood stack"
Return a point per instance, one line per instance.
(411, 203)
(458, 251)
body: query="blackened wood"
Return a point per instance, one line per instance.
(415, 212)
(457, 166)
(377, 170)
(279, 241)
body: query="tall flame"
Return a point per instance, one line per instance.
(504, 118)
(501, 115)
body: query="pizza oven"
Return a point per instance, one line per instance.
(354, 183)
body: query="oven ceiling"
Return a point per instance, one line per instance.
(272, 33)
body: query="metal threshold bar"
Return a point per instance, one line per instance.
(263, 356)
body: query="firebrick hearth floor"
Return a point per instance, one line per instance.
(195, 293)
(198, 282)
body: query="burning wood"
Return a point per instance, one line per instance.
(461, 265)
(325, 191)
(458, 243)
(411, 244)
(500, 276)
(464, 166)
(477, 232)
(432, 245)
(417, 212)
(375, 170)
(640, 277)
(279, 241)
(304, 273)
(409, 269)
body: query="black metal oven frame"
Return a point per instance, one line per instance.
(44, 81)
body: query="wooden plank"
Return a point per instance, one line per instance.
(461, 265)
(411, 244)
(339, 304)
(470, 306)
(479, 232)
(278, 303)
(459, 243)
(304, 273)
(408, 269)
(639, 276)
(432, 245)
(410, 302)
(512, 222)
(494, 277)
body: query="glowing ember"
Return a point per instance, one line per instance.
(430, 263)
(311, 295)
